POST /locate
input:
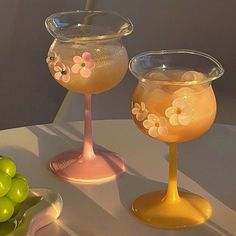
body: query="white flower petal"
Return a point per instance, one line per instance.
(87, 56)
(162, 121)
(141, 116)
(57, 75)
(174, 120)
(145, 112)
(65, 78)
(184, 120)
(51, 64)
(148, 124)
(153, 117)
(153, 131)
(179, 103)
(187, 111)
(78, 59)
(162, 130)
(57, 68)
(75, 68)
(170, 111)
(85, 72)
(143, 106)
(135, 111)
(137, 106)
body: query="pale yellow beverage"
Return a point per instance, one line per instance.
(174, 113)
(106, 65)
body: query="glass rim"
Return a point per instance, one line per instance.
(177, 51)
(96, 37)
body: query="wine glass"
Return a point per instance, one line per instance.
(88, 57)
(173, 102)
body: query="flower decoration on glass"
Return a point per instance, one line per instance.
(83, 65)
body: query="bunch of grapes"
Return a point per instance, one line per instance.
(14, 188)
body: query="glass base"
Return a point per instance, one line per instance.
(71, 166)
(190, 210)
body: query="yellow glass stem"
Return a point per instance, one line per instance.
(172, 209)
(172, 194)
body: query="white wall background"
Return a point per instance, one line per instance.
(29, 95)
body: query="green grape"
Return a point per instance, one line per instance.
(19, 190)
(6, 209)
(4, 157)
(5, 183)
(20, 176)
(8, 166)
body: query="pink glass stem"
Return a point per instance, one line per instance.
(83, 165)
(88, 152)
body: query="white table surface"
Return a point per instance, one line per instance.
(207, 166)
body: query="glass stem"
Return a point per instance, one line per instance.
(88, 152)
(172, 194)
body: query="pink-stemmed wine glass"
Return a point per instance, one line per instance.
(88, 57)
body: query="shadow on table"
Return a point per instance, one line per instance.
(58, 137)
(83, 217)
(62, 138)
(132, 184)
(212, 163)
(139, 184)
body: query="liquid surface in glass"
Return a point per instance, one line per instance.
(173, 113)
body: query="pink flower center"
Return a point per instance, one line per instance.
(52, 58)
(83, 64)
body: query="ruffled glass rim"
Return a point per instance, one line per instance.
(209, 78)
(55, 27)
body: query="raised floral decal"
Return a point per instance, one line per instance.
(180, 113)
(157, 126)
(140, 111)
(62, 72)
(83, 65)
(52, 59)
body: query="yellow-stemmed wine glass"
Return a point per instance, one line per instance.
(173, 102)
